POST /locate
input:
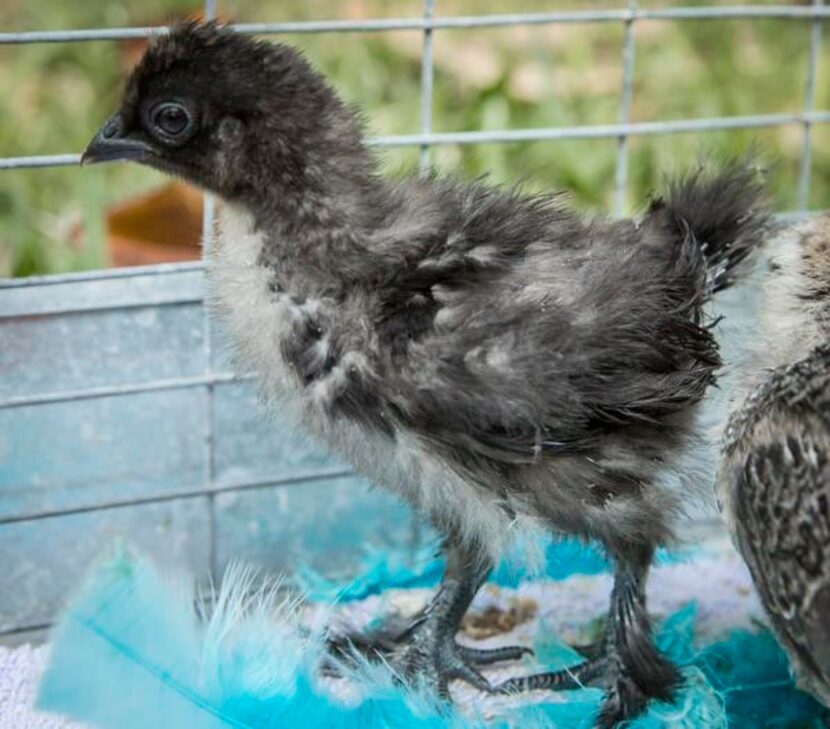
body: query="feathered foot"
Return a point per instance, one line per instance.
(430, 655)
(426, 650)
(626, 662)
(579, 676)
(489, 656)
(383, 644)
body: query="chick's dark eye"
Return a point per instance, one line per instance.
(171, 119)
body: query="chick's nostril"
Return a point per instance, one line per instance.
(112, 127)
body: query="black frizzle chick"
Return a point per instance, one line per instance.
(774, 478)
(500, 362)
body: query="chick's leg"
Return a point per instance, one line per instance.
(628, 663)
(637, 671)
(429, 650)
(426, 650)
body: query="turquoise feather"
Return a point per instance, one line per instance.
(131, 652)
(381, 570)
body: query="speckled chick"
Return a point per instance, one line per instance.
(774, 479)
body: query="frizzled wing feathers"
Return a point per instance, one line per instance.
(521, 330)
(515, 389)
(491, 228)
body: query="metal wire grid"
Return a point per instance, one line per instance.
(816, 14)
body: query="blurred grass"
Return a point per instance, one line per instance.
(54, 96)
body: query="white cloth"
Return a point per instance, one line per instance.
(20, 670)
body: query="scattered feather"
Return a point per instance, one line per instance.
(132, 651)
(381, 570)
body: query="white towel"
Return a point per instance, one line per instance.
(20, 670)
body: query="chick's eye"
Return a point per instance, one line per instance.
(171, 119)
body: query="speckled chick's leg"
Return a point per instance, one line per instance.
(628, 665)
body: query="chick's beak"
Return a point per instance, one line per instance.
(111, 143)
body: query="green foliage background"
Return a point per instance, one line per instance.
(54, 96)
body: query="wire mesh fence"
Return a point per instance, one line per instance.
(22, 298)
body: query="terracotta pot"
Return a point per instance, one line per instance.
(162, 226)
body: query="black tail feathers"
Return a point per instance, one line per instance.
(724, 211)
